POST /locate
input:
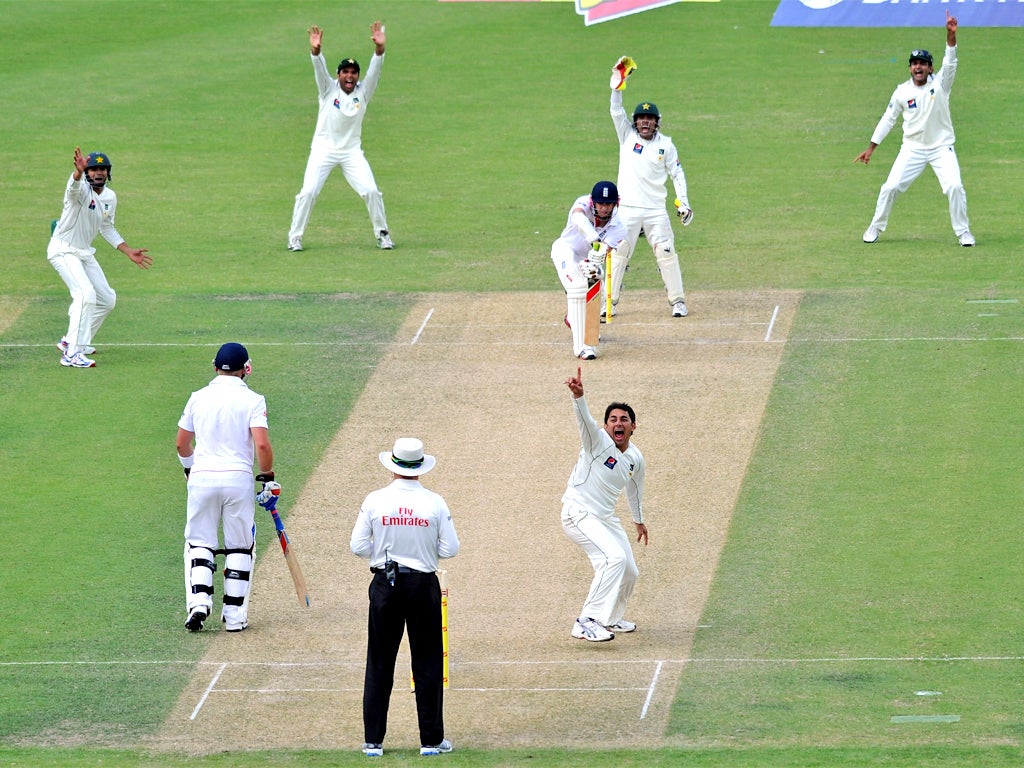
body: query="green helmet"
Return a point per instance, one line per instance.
(98, 160)
(646, 108)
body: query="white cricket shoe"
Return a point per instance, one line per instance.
(588, 353)
(621, 626)
(871, 235)
(62, 345)
(588, 629)
(441, 749)
(295, 244)
(384, 241)
(967, 239)
(77, 360)
(373, 750)
(679, 309)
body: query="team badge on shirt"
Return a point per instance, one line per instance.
(638, 147)
(912, 104)
(610, 462)
(92, 205)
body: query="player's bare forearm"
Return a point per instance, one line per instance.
(951, 27)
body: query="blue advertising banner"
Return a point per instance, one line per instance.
(897, 13)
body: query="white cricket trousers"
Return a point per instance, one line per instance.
(567, 264)
(92, 298)
(909, 164)
(657, 228)
(615, 571)
(359, 176)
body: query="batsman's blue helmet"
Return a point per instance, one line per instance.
(605, 192)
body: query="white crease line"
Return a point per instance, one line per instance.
(775, 314)
(423, 325)
(209, 688)
(650, 690)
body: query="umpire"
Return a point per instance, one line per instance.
(404, 529)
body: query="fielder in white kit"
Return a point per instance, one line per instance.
(647, 158)
(337, 140)
(928, 139)
(89, 207)
(607, 465)
(579, 254)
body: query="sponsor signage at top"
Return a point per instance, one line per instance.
(897, 13)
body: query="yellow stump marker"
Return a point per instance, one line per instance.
(442, 578)
(608, 286)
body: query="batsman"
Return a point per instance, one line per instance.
(592, 232)
(221, 433)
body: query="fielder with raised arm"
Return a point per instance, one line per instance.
(928, 139)
(608, 465)
(591, 229)
(647, 158)
(337, 140)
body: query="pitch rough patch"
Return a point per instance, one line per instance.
(484, 389)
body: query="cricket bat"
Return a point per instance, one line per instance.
(286, 545)
(592, 326)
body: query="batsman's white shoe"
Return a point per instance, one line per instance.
(295, 244)
(871, 235)
(621, 626)
(443, 748)
(588, 629)
(679, 309)
(77, 360)
(62, 345)
(967, 239)
(235, 626)
(588, 353)
(196, 617)
(373, 750)
(384, 241)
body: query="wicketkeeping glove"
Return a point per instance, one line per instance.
(267, 498)
(623, 68)
(685, 214)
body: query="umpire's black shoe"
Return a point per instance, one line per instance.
(196, 617)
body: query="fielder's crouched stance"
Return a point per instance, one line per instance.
(607, 465)
(579, 254)
(222, 430)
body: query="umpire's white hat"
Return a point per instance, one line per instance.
(407, 458)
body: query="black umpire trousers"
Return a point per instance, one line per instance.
(414, 602)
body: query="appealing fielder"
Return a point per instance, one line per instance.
(337, 140)
(579, 252)
(647, 158)
(403, 529)
(222, 430)
(928, 138)
(89, 207)
(608, 464)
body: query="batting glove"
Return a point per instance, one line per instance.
(685, 215)
(592, 270)
(267, 498)
(623, 68)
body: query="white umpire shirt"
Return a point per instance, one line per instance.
(406, 522)
(339, 124)
(645, 165)
(221, 415)
(603, 471)
(86, 213)
(927, 123)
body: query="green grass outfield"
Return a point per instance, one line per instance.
(873, 567)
